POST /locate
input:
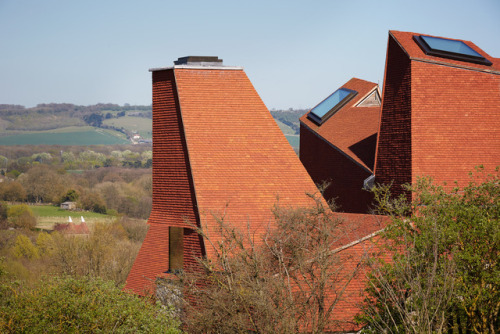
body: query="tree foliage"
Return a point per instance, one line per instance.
(444, 274)
(288, 281)
(79, 305)
(21, 216)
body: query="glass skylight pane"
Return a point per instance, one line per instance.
(449, 45)
(330, 102)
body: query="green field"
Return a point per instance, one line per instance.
(55, 211)
(48, 215)
(84, 135)
(141, 125)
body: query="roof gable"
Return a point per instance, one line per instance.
(355, 125)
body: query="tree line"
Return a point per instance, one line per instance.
(114, 182)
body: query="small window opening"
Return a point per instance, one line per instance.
(372, 100)
(175, 249)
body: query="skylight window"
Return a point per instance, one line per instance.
(329, 106)
(448, 48)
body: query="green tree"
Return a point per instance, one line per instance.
(79, 305)
(12, 191)
(43, 184)
(444, 273)
(45, 244)
(71, 195)
(25, 248)
(92, 201)
(21, 216)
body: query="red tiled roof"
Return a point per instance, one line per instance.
(217, 152)
(72, 228)
(351, 124)
(236, 163)
(241, 162)
(452, 111)
(405, 39)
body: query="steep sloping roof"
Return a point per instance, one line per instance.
(452, 111)
(219, 154)
(405, 39)
(241, 163)
(351, 124)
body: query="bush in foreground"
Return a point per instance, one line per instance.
(83, 305)
(444, 276)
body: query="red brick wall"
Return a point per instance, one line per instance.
(174, 202)
(325, 163)
(393, 159)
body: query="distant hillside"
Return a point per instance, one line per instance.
(288, 121)
(57, 115)
(81, 125)
(69, 124)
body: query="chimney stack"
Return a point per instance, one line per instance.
(199, 61)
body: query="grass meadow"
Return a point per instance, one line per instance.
(141, 125)
(48, 215)
(85, 135)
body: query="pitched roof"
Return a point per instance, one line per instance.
(406, 41)
(241, 163)
(72, 228)
(351, 124)
(453, 110)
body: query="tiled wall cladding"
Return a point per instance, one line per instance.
(455, 122)
(393, 159)
(439, 120)
(172, 180)
(173, 199)
(326, 164)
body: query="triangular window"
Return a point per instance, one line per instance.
(372, 100)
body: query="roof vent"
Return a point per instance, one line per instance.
(199, 61)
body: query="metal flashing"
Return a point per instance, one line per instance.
(196, 67)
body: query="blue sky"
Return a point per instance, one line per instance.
(295, 52)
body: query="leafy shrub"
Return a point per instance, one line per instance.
(21, 216)
(25, 248)
(84, 305)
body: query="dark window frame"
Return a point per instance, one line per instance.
(448, 54)
(320, 120)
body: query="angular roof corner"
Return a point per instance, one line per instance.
(352, 124)
(408, 41)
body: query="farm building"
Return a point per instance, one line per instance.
(68, 205)
(217, 152)
(72, 228)
(439, 117)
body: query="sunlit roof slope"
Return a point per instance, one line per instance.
(353, 123)
(440, 115)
